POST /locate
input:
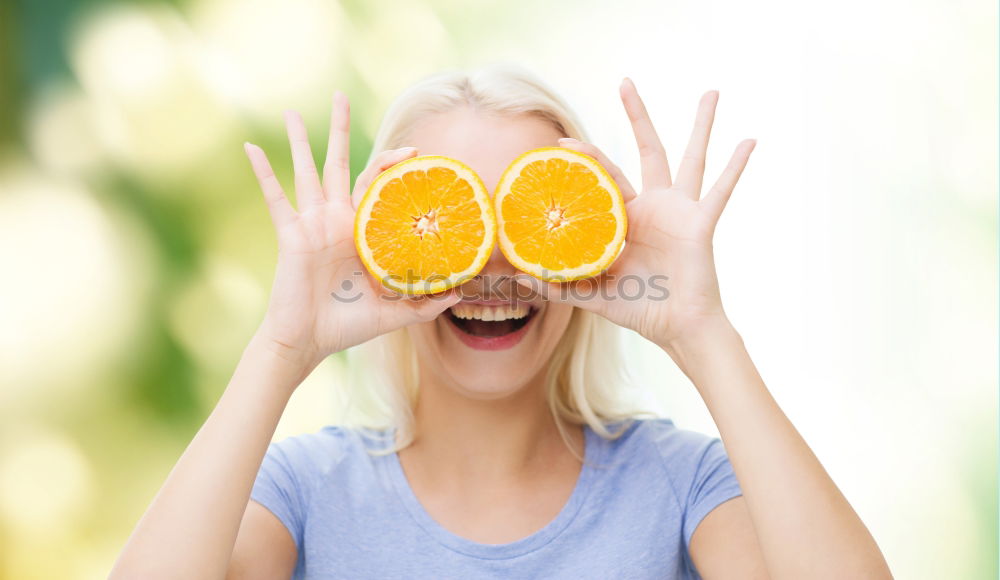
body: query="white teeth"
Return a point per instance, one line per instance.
(490, 313)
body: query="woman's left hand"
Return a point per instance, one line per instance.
(669, 241)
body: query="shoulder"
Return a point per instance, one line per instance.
(680, 453)
(294, 468)
(322, 451)
(662, 436)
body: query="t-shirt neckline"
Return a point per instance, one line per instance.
(592, 457)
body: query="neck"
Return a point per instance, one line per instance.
(501, 438)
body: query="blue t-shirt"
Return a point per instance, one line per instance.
(636, 503)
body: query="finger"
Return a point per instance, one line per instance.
(652, 155)
(628, 192)
(308, 190)
(552, 291)
(337, 168)
(277, 204)
(584, 294)
(692, 169)
(429, 306)
(405, 309)
(380, 163)
(718, 196)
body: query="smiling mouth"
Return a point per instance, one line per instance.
(490, 321)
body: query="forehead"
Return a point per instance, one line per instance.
(486, 143)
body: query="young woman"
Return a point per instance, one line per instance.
(507, 453)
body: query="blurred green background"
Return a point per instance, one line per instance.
(858, 256)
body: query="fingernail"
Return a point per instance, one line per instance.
(406, 150)
(568, 140)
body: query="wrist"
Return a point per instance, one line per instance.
(286, 365)
(690, 346)
(288, 344)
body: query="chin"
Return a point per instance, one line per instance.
(486, 380)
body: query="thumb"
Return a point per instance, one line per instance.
(428, 306)
(585, 294)
(380, 163)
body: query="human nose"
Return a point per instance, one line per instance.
(497, 264)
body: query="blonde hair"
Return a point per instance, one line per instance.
(586, 375)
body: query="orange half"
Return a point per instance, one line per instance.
(425, 225)
(560, 215)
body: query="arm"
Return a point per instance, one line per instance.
(264, 548)
(725, 544)
(791, 517)
(190, 529)
(805, 527)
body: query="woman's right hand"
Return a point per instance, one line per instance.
(323, 300)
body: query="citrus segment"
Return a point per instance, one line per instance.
(425, 225)
(560, 216)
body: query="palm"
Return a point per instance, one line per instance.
(322, 300)
(669, 244)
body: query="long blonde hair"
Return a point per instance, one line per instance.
(586, 377)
